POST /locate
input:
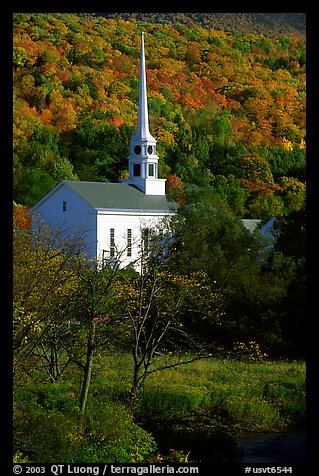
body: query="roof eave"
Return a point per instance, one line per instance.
(55, 189)
(133, 211)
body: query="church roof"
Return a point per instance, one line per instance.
(118, 196)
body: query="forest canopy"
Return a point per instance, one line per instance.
(227, 110)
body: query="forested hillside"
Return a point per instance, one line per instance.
(270, 24)
(111, 365)
(228, 110)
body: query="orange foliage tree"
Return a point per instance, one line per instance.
(21, 217)
(175, 189)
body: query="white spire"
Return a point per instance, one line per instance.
(142, 128)
(143, 161)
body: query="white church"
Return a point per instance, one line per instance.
(113, 217)
(116, 218)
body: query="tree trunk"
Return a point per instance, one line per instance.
(87, 368)
(134, 386)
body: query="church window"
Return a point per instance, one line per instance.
(64, 206)
(136, 170)
(129, 242)
(151, 170)
(150, 149)
(104, 258)
(137, 149)
(112, 242)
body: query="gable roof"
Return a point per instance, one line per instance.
(250, 224)
(118, 196)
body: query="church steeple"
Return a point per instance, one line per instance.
(143, 132)
(143, 161)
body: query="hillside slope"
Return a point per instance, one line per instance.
(269, 24)
(228, 111)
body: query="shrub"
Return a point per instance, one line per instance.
(49, 429)
(248, 352)
(110, 434)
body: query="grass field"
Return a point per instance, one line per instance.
(266, 396)
(207, 400)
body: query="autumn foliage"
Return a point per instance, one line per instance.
(174, 188)
(21, 217)
(215, 99)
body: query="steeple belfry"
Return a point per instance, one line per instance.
(143, 161)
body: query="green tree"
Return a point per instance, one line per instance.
(210, 237)
(100, 150)
(231, 191)
(291, 247)
(255, 169)
(34, 184)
